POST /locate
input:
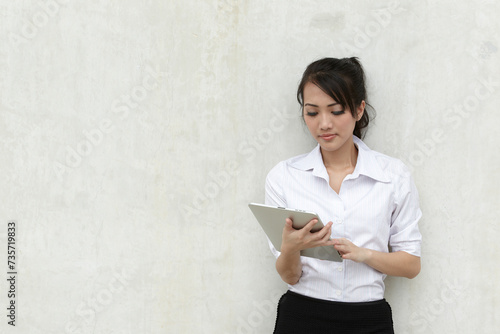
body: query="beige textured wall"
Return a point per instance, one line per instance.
(134, 133)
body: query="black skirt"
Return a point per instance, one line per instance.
(298, 314)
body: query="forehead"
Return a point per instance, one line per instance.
(315, 95)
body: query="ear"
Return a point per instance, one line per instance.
(360, 110)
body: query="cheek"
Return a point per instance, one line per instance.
(310, 123)
(348, 122)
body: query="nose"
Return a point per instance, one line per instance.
(325, 121)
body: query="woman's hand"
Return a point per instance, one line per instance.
(296, 240)
(293, 241)
(394, 264)
(350, 251)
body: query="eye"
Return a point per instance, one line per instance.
(311, 113)
(340, 112)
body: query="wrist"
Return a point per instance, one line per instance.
(367, 255)
(289, 251)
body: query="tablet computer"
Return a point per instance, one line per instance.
(272, 220)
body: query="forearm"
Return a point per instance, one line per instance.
(394, 264)
(288, 263)
(289, 266)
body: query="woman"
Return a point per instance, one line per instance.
(368, 199)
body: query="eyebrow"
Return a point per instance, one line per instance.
(315, 106)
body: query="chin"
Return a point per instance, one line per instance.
(329, 147)
(332, 146)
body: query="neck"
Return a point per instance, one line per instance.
(343, 158)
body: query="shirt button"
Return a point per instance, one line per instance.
(339, 221)
(339, 269)
(338, 292)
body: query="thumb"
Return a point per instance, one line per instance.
(288, 224)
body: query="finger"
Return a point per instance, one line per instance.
(327, 227)
(341, 241)
(326, 239)
(288, 224)
(310, 225)
(322, 236)
(340, 248)
(346, 256)
(326, 232)
(329, 243)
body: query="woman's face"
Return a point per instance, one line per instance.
(329, 123)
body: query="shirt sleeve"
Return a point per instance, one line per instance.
(274, 194)
(404, 232)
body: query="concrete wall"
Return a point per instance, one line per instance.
(133, 134)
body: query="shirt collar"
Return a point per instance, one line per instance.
(366, 164)
(312, 161)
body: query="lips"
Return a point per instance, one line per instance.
(328, 136)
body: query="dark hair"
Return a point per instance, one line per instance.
(344, 81)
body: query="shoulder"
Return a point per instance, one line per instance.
(399, 176)
(276, 181)
(391, 168)
(291, 163)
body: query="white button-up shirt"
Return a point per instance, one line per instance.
(377, 207)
